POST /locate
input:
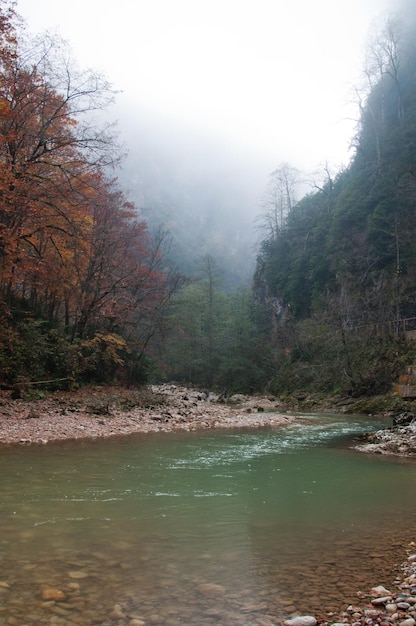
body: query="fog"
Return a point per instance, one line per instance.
(214, 96)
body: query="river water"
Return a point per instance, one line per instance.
(232, 527)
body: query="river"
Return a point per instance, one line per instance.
(232, 527)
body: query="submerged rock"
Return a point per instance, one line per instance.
(53, 594)
(211, 589)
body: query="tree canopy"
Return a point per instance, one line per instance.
(346, 252)
(73, 250)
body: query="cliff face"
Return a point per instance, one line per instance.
(406, 387)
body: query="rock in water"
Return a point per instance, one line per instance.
(301, 620)
(380, 591)
(211, 589)
(53, 594)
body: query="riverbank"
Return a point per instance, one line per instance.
(111, 412)
(97, 412)
(396, 440)
(380, 606)
(91, 413)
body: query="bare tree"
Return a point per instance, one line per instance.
(383, 58)
(280, 196)
(381, 69)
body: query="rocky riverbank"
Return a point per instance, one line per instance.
(399, 439)
(109, 412)
(381, 606)
(91, 413)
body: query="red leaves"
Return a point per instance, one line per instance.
(69, 240)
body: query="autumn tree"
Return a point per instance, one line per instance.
(46, 147)
(72, 247)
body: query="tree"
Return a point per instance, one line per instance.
(46, 148)
(246, 352)
(72, 249)
(197, 317)
(280, 197)
(382, 85)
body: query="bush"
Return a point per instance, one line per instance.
(32, 351)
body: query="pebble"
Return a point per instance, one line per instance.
(390, 609)
(211, 589)
(117, 612)
(53, 594)
(403, 606)
(378, 601)
(380, 591)
(78, 575)
(301, 620)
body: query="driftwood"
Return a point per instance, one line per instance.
(18, 388)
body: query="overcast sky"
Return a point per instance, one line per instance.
(270, 77)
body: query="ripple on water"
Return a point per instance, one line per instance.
(241, 528)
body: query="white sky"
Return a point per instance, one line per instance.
(272, 77)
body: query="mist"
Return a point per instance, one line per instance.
(214, 96)
(199, 187)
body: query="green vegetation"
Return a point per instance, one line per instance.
(87, 294)
(342, 266)
(214, 339)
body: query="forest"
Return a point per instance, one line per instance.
(90, 293)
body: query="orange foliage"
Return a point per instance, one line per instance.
(70, 243)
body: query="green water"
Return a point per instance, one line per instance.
(281, 520)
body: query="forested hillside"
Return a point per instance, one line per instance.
(89, 293)
(340, 272)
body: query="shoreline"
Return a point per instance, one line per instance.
(105, 412)
(93, 413)
(395, 606)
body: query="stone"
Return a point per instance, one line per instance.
(53, 594)
(73, 586)
(408, 622)
(380, 591)
(211, 589)
(252, 608)
(301, 620)
(58, 610)
(403, 606)
(383, 600)
(77, 574)
(117, 612)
